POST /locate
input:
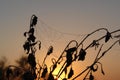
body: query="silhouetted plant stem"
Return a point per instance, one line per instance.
(97, 39)
(65, 49)
(98, 52)
(79, 45)
(42, 65)
(107, 50)
(71, 53)
(96, 59)
(60, 72)
(80, 73)
(101, 38)
(87, 74)
(91, 34)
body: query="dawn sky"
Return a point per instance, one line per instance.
(59, 21)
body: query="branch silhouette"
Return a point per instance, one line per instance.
(37, 71)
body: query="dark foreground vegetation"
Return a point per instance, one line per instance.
(29, 69)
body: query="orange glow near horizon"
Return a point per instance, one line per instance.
(60, 21)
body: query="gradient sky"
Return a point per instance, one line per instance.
(67, 16)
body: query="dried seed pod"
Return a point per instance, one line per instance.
(33, 21)
(50, 50)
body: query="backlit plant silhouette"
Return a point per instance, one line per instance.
(72, 54)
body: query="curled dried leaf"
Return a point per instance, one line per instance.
(75, 57)
(69, 59)
(82, 55)
(71, 50)
(33, 20)
(31, 38)
(25, 34)
(26, 46)
(94, 68)
(95, 44)
(108, 36)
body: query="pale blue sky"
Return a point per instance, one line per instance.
(71, 16)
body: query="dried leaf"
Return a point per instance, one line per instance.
(25, 34)
(95, 44)
(75, 57)
(34, 21)
(26, 46)
(82, 55)
(108, 36)
(69, 59)
(71, 73)
(32, 38)
(31, 31)
(71, 50)
(31, 60)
